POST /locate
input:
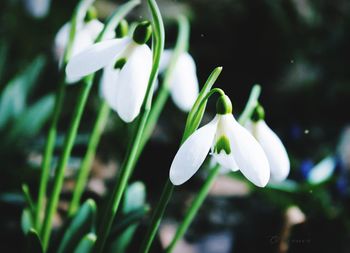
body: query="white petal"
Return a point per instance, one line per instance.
(133, 83)
(95, 57)
(275, 151)
(94, 27)
(192, 153)
(227, 162)
(184, 83)
(248, 154)
(37, 8)
(322, 171)
(165, 60)
(109, 85)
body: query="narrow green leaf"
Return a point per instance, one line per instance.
(26, 221)
(14, 96)
(81, 224)
(135, 197)
(32, 120)
(28, 199)
(33, 242)
(86, 244)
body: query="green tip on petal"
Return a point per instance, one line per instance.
(143, 32)
(120, 63)
(223, 105)
(223, 143)
(258, 113)
(91, 14)
(122, 29)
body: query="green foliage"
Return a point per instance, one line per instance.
(86, 244)
(81, 224)
(33, 242)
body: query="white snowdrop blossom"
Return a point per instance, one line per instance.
(231, 145)
(272, 146)
(183, 83)
(37, 8)
(127, 62)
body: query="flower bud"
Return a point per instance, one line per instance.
(91, 14)
(258, 113)
(223, 105)
(142, 32)
(122, 29)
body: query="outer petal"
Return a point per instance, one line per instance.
(37, 8)
(192, 153)
(184, 83)
(95, 57)
(133, 83)
(274, 150)
(248, 154)
(165, 60)
(109, 85)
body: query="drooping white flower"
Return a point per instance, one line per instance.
(183, 83)
(127, 63)
(271, 144)
(231, 145)
(37, 8)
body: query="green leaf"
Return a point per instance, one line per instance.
(14, 96)
(26, 221)
(28, 199)
(32, 120)
(134, 210)
(33, 242)
(196, 114)
(86, 244)
(81, 224)
(135, 197)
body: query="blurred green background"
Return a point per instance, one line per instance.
(298, 50)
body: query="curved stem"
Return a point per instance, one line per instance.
(132, 154)
(251, 104)
(195, 206)
(163, 93)
(84, 170)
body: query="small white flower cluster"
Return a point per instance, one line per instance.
(255, 150)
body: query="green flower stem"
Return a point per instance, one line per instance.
(169, 187)
(132, 154)
(84, 170)
(195, 205)
(163, 93)
(112, 22)
(157, 217)
(203, 192)
(51, 136)
(48, 153)
(67, 148)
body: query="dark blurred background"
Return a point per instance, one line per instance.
(298, 50)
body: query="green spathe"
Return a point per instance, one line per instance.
(142, 32)
(223, 105)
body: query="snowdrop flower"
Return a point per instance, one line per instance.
(232, 146)
(128, 62)
(184, 83)
(272, 145)
(37, 8)
(86, 33)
